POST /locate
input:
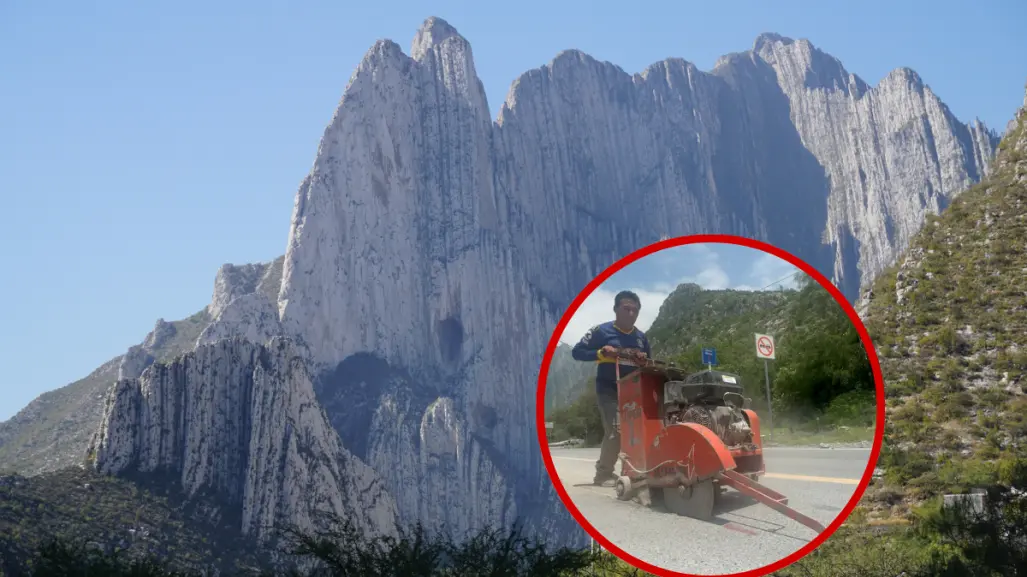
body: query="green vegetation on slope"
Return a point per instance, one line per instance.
(344, 552)
(949, 321)
(950, 324)
(580, 420)
(821, 369)
(949, 542)
(53, 431)
(822, 383)
(138, 517)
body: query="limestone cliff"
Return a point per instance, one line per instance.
(432, 249)
(444, 245)
(239, 420)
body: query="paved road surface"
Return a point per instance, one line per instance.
(744, 534)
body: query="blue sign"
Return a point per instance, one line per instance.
(709, 356)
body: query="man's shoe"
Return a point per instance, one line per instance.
(602, 478)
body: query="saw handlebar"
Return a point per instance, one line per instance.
(628, 354)
(637, 358)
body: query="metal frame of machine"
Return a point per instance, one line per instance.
(673, 429)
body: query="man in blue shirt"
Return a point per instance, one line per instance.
(600, 344)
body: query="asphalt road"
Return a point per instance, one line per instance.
(744, 533)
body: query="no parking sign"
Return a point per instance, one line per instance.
(765, 347)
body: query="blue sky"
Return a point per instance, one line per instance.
(144, 144)
(712, 266)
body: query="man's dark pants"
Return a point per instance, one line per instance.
(606, 394)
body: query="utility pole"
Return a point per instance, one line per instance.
(770, 404)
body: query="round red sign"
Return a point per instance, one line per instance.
(765, 346)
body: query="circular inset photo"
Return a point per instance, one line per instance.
(710, 405)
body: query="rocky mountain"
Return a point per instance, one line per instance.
(949, 323)
(432, 250)
(692, 318)
(566, 377)
(54, 430)
(821, 367)
(239, 420)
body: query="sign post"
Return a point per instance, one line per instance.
(709, 358)
(765, 350)
(549, 431)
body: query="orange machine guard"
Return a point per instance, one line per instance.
(754, 424)
(686, 453)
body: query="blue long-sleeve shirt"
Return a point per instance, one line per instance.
(599, 336)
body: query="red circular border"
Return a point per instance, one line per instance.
(722, 239)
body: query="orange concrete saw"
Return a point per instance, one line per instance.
(686, 438)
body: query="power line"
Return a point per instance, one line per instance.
(790, 275)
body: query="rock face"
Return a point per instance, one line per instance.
(240, 420)
(446, 245)
(234, 281)
(432, 251)
(947, 322)
(892, 153)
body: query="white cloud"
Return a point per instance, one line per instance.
(713, 277)
(767, 269)
(771, 270)
(598, 308)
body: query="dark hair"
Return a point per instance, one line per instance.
(626, 295)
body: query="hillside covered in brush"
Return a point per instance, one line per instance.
(820, 358)
(950, 323)
(821, 371)
(138, 518)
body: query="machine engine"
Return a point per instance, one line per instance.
(707, 400)
(725, 421)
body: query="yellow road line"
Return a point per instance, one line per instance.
(837, 480)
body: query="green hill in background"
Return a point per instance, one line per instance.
(821, 379)
(567, 378)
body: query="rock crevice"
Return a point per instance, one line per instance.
(240, 420)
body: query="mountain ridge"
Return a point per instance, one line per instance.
(410, 238)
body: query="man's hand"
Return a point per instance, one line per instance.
(640, 356)
(609, 352)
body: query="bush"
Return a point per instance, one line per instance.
(854, 408)
(580, 420)
(344, 552)
(903, 466)
(992, 542)
(942, 542)
(59, 558)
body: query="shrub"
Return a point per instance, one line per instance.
(345, 551)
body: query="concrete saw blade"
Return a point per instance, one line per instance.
(695, 501)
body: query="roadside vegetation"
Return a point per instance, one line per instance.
(942, 542)
(345, 552)
(953, 541)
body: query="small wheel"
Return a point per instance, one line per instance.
(623, 488)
